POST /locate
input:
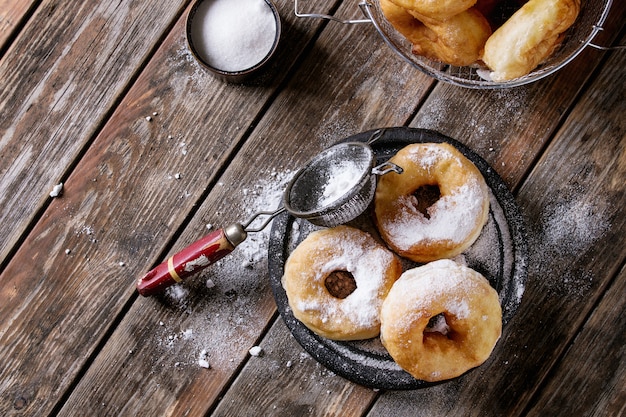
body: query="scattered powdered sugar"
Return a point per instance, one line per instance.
(460, 308)
(567, 229)
(452, 217)
(221, 303)
(438, 280)
(427, 156)
(202, 360)
(375, 361)
(256, 351)
(233, 35)
(573, 226)
(56, 190)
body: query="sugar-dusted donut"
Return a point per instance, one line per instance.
(336, 280)
(440, 320)
(404, 215)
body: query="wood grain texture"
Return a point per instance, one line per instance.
(152, 149)
(59, 79)
(12, 13)
(591, 378)
(287, 381)
(107, 220)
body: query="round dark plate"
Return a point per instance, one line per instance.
(500, 254)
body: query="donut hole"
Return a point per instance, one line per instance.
(439, 325)
(340, 284)
(426, 196)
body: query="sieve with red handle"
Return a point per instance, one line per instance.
(333, 188)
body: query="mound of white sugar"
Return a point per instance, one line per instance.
(233, 35)
(338, 185)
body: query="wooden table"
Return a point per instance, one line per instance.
(106, 98)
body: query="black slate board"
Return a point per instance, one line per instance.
(500, 254)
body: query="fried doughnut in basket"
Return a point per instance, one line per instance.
(593, 14)
(528, 37)
(456, 40)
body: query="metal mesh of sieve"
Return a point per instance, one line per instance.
(304, 195)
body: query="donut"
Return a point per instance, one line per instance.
(528, 37)
(440, 320)
(457, 40)
(336, 280)
(435, 9)
(436, 208)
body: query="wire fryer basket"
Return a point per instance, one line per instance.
(589, 22)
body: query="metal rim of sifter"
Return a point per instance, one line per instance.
(303, 196)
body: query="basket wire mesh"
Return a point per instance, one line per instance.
(589, 22)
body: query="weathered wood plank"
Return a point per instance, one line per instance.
(574, 226)
(593, 372)
(12, 12)
(285, 380)
(59, 80)
(120, 207)
(348, 67)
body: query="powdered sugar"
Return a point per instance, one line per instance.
(428, 156)
(442, 281)
(452, 217)
(567, 228)
(367, 265)
(347, 176)
(220, 305)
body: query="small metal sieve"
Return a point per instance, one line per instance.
(305, 197)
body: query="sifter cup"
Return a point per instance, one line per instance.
(306, 196)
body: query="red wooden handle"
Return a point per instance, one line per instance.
(188, 261)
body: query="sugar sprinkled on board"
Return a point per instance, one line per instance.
(256, 351)
(203, 361)
(219, 304)
(233, 35)
(56, 190)
(567, 228)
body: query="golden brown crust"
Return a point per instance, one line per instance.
(473, 320)
(452, 223)
(342, 248)
(457, 39)
(435, 9)
(528, 37)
